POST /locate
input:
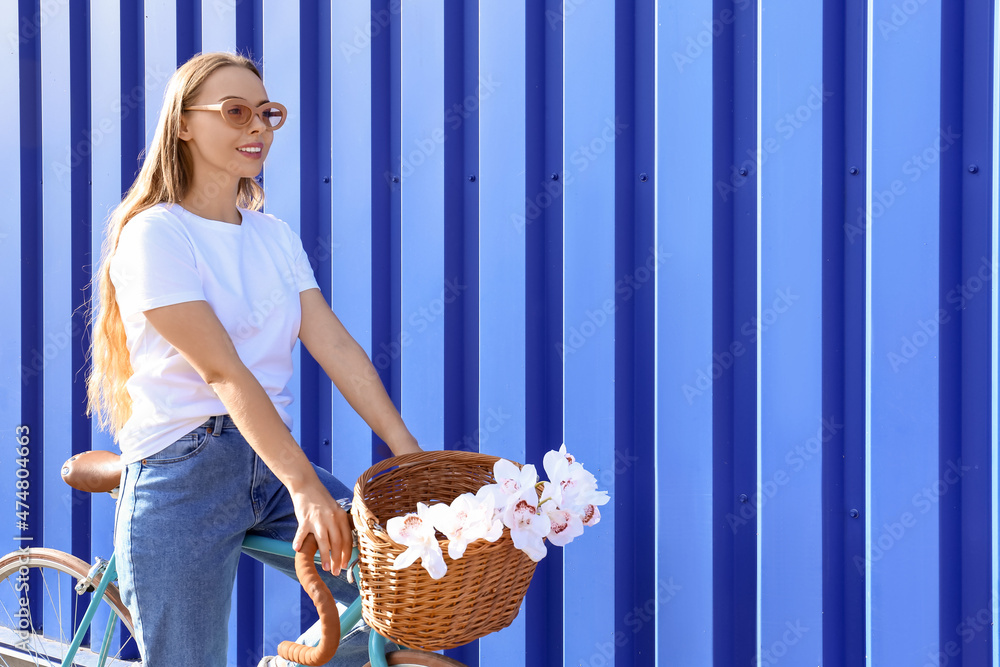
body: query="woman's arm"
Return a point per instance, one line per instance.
(195, 331)
(350, 369)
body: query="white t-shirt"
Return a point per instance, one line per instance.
(250, 274)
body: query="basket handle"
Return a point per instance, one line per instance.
(326, 607)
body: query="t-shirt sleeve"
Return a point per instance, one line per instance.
(303, 276)
(154, 266)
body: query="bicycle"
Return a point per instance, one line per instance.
(30, 639)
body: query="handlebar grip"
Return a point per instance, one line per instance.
(326, 606)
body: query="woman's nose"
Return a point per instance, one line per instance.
(257, 123)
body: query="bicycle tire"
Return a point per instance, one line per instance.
(45, 646)
(411, 658)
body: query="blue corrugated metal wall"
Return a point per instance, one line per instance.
(740, 256)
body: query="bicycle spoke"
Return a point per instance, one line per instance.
(5, 663)
(118, 656)
(56, 609)
(14, 623)
(32, 648)
(55, 612)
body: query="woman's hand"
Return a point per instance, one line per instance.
(407, 449)
(404, 443)
(318, 513)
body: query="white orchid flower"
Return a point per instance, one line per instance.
(510, 480)
(561, 452)
(415, 531)
(562, 466)
(565, 525)
(513, 479)
(578, 487)
(487, 515)
(528, 526)
(467, 519)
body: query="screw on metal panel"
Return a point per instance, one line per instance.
(326, 442)
(472, 178)
(855, 514)
(643, 177)
(326, 179)
(395, 179)
(743, 171)
(555, 176)
(973, 168)
(744, 497)
(854, 171)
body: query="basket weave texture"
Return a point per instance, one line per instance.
(481, 592)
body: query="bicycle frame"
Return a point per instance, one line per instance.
(350, 617)
(110, 574)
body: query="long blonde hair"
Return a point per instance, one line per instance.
(165, 177)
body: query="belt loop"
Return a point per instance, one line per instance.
(217, 426)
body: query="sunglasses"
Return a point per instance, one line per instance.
(239, 114)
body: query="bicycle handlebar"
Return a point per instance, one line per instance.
(326, 607)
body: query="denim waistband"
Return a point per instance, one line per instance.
(218, 423)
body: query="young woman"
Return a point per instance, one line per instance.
(200, 299)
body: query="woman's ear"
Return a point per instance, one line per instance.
(184, 133)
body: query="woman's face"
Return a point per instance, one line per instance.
(218, 149)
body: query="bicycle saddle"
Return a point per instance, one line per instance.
(96, 471)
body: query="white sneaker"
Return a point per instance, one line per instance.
(273, 661)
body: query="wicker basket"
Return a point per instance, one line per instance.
(481, 592)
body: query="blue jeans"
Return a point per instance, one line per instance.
(180, 521)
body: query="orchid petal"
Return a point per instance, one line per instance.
(456, 549)
(434, 564)
(569, 457)
(530, 544)
(443, 518)
(591, 515)
(407, 558)
(554, 464)
(551, 493)
(495, 531)
(486, 496)
(528, 476)
(506, 473)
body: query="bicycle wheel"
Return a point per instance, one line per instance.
(40, 610)
(411, 658)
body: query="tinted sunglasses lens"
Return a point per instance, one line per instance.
(237, 114)
(272, 116)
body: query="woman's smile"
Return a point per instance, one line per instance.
(253, 151)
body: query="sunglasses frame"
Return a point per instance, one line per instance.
(224, 106)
